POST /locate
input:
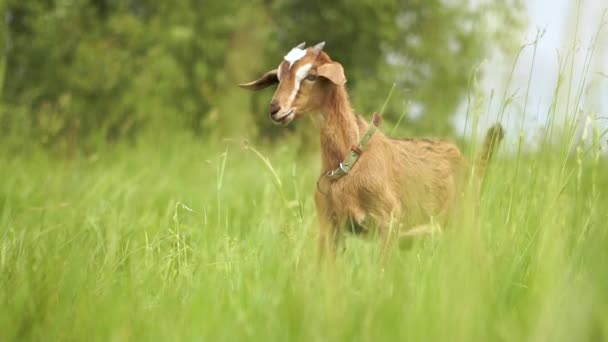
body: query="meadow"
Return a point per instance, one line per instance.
(181, 235)
(183, 240)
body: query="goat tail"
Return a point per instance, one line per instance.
(490, 144)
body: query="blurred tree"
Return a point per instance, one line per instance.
(3, 46)
(105, 68)
(101, 70)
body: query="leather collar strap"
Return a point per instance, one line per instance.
(355, 152)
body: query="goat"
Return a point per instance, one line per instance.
(393, 187)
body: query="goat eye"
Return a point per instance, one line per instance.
(311, 77)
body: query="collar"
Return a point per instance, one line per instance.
(355, 152)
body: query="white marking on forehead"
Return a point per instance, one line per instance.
(301, 73)
(294, 55)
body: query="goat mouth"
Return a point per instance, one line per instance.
(287, 118)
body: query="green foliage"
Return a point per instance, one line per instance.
(106, 69)
(95, 71)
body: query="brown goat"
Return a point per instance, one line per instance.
(396, 187)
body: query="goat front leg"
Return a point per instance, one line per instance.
(329, 234)
(330, 238)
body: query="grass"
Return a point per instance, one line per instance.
(217, 242)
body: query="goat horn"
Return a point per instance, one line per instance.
(319, 47)
(301, 45)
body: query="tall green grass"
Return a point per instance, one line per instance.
(191, 241)
(179, 240)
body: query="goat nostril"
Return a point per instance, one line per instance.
(274, 108)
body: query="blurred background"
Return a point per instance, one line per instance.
(77, 74)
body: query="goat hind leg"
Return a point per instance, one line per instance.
(425, 230)
(389, 233)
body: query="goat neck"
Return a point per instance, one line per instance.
(339, 128)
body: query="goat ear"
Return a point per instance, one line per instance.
(269, 78)
(332, 71)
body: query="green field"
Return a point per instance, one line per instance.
(200, 241)
(132, 207)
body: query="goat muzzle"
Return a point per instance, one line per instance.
(274, 108)
(284, 118)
